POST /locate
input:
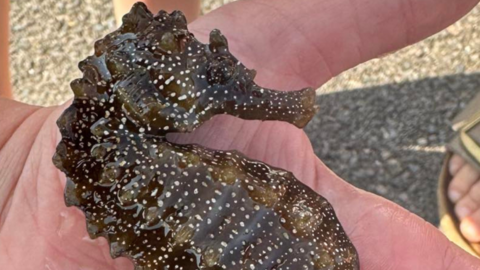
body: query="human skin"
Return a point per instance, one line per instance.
(5, 88)
(292, 44)
(464, 192)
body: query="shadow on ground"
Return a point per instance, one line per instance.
(389, 139)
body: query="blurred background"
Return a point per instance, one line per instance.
(381, 126)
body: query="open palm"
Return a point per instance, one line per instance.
(293, 44)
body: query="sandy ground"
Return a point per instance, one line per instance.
(382, 125)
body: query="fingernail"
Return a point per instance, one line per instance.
(462, 212)
(454, 195)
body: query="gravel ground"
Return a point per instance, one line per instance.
(382, 125)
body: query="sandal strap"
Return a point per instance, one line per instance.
(467, 141)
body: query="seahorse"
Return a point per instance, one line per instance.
(172, 206)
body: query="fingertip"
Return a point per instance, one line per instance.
(57, 112)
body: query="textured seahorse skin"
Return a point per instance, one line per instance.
(171, 206)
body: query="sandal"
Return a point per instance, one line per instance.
(466, 144)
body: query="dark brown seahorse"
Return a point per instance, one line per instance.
(171, 206)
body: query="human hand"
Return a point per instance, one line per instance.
(291, 47)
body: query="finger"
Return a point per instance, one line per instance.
(36, 208)
(276, 143)
(12, 115)
(18, 128)
(304, 43)
(405, 242)
(5, 87)
(386, 235)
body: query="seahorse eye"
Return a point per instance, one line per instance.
(220, 70)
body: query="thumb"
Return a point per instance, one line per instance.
(386, 235)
